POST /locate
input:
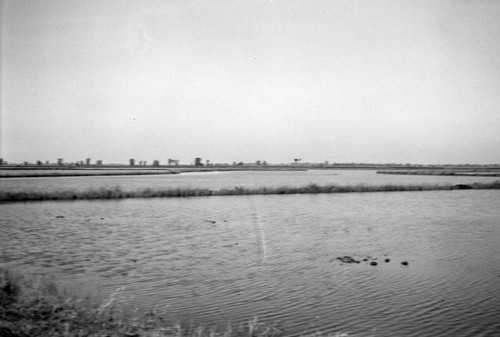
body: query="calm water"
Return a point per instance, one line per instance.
(217, 180)
(220, 258)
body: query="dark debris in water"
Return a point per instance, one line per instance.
(462, 187)
(372, 261)
(348, 259)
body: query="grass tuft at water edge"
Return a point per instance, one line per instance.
(38, 309)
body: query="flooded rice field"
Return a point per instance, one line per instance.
(363, 264)
(219, 180)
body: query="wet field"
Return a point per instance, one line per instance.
(227, 258)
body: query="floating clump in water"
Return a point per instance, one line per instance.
(372, 261)
(347, 259)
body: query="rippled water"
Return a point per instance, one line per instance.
(218, 180)
(220, 258)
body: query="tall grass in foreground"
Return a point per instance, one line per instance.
(37, 309)
(118, 193)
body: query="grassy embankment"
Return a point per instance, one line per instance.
(118, 193)
(442, 172)
(38, 309)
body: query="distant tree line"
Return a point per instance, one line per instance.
(296, 162)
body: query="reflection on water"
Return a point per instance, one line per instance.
(219, 258)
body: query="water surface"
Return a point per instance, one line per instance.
(229, 179)
(220, 258)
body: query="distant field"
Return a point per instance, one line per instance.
(444, 172)
(24, 173)
(30, 172)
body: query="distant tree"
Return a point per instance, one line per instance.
(264, 163)
(87, 161)
(173, 161)
(197, 161)
(144, 163)
(1, 161)
(258, 163)
(38, 163)
(98, 162)
(60, 161)
(156, 163)
(132, 161)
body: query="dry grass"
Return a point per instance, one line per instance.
(39, 309)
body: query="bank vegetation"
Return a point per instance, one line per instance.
(442, 172)
(120, 193)
(37, 308)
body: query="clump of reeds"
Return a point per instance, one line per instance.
(117, 192)
(28, 310)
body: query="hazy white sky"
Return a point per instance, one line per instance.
(343, 81)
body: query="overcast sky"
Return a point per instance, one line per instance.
(339, 81)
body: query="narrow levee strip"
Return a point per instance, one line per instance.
(119, 193)
(83, 173)
(442, 172)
